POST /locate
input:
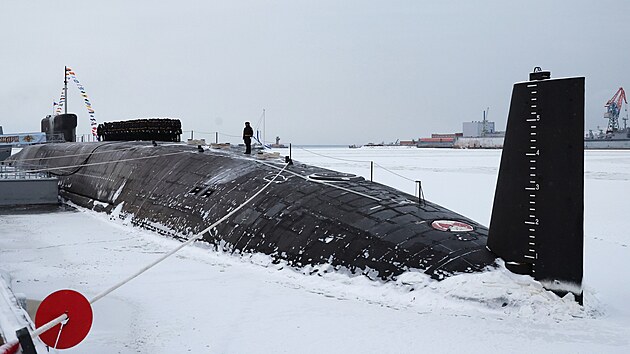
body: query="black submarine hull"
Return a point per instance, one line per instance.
(308, 216)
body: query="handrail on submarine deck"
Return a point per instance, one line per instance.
(9, 172)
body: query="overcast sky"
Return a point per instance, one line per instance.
(327, 72)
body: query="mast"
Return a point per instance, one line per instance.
(264, 130)
(65, 88)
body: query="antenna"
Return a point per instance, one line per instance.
(486, 113)
(261, 121)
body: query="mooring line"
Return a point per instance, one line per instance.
(47, 169)
(191, 240)
(394, 173)
(99, 296)
(14, 344)
(323, 182)
(361, 161)
(82, 154)
(330, 157)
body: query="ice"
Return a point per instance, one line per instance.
(207, 300)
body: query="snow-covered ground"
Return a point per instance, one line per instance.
(201, 301)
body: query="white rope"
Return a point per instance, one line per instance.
(64, 317)
(105, 162)
(200, 132)
(394, 173)
(331, 157)
(363, 161)
(191, 240)
(99, 296)
(59, 334)
(81, 154)
(49, 325)
(231, 136)
(36, 332)
(323, 182)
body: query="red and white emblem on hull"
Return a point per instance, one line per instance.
(451, 225)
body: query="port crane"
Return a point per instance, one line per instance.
(613, 108)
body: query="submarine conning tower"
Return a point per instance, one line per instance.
(60, 128)
(537, 223)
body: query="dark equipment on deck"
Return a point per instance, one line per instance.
(152, 129)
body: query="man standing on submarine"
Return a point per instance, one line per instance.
(248, 132)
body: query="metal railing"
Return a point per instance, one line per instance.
(84, 138)
(21, 172)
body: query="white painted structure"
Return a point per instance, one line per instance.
(488, 142)
(476, 129)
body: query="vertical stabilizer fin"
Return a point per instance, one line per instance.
(537, 223)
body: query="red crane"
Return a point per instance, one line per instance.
(613, 108)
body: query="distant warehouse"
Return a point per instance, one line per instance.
(477, 129)
(480, 135)
(439, 140)
(475, 135)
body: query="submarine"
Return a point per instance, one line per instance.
(313, 216)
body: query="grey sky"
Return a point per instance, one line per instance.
(327, 72)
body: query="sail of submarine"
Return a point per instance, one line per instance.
(314, 216)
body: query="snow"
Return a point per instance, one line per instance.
(8, 317)
(117, 193)
(207, 301)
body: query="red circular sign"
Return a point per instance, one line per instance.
(79, 322)
(451, 225)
